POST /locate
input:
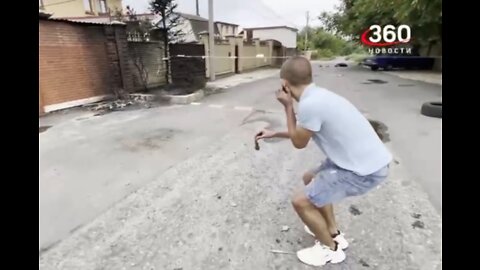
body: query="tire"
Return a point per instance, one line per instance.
(374, 68)
(432, 109)
(388, 68)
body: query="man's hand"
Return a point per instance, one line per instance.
(265, 134)
(284, 96)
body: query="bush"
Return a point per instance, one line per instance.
(325, 54)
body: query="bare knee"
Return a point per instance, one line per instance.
(300, 201)
(307, 177)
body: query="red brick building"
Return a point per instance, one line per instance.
(80, 62)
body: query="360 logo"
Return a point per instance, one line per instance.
(389, 35)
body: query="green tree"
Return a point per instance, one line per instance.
(169, 23)
(353, 17)
(326, 43)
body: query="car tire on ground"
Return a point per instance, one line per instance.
(432, 109)
(374, 68)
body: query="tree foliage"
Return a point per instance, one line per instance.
(327, 44)
(353, 17)
(170, 21)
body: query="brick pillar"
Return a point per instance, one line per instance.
(123, 56)
(112, 54)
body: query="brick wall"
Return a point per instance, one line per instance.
(80, 61)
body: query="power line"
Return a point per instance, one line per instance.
(276, 14)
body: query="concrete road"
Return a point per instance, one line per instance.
(180, 187)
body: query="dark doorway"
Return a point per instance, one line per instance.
(236, 59)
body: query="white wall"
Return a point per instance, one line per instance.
(186, 28)
(226, 30)
(287, 37)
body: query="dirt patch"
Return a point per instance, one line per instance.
(354, 210)
(363, 263)
(374, 81)
(381, 129)
(417, 216)
(43, 128)
(418, 224)
(153, 141)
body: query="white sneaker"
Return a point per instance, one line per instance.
(319, 255)
(340, 238)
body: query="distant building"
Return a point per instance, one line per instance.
(226, 29)
(79, 8)
(286, 35)
(191, 25)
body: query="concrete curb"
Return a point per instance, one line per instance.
(186, 99)
(417, 77)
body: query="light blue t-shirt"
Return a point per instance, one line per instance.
(341, 131)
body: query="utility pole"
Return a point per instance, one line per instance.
(211, 41)
(306, 32)
(198, 12)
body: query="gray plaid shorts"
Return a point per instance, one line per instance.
(331, 183)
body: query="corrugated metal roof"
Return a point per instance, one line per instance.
(43, 15)
(270, 27)
(84, 22)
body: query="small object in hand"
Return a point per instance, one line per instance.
(257, 146)
(284, 89)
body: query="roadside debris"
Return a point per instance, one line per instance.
(143, 100)
(417, 216)
(276, 251)
(233, 204)
(285, 228)
(341, 65)
(418, 224)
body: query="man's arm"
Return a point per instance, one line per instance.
(298, 135)
(282, 134)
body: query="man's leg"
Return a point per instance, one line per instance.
(326, 211)
(313, 219)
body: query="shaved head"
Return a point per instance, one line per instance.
(297, 70)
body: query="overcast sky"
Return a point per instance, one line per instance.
(252, 13)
